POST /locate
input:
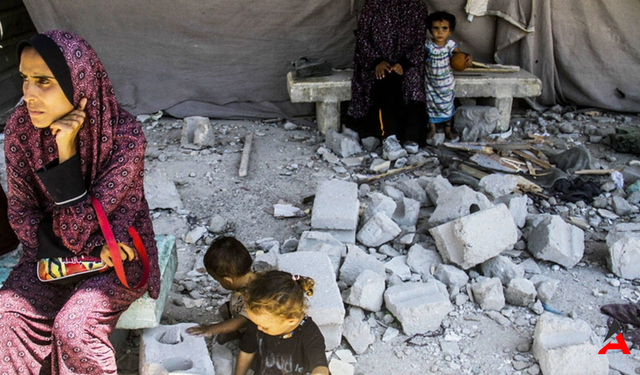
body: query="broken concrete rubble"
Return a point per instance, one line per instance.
(623, 243)
(551, 238)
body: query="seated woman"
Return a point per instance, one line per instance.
(69, 141)
(387, 89)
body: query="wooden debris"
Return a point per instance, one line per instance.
(596, 171)
(244, 161)
(391, 173)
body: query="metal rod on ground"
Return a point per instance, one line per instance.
(392, 172)
(244, 161)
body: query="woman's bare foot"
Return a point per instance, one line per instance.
(432, 131)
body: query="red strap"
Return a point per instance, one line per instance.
(115, 250)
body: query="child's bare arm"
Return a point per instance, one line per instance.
(244, 361)
(227, 326)
(320, 370)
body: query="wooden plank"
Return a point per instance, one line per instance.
(596, 171)
(392, 173)
(244, 161)
(533, 159)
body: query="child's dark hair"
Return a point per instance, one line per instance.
(278, 293)
(441, 16)
(226, 256)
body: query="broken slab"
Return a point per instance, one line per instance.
(379, 203)
(357, 331)
(436, 186)
(335, 209)
(160, 190)
(420, 307)
(170, 350)
(475, 238)
(623, 242)
(423, 261)
(520, 292)
(378, 230)
(324, 243)
(455, 203)
(342, 144)
(368, 291)
(551, 238)
(412, 189)
(517, 205)
(407, 212)
(498, 185)
(565, 346)
(489, 294)
(356, 262)
(503, 268)
(197, 130)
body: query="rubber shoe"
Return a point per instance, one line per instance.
(391, 149)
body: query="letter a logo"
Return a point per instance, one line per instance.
(620, 344)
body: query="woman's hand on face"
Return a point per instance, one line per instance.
(398, 69)
(381, 69)
(126, 253)
(66, 129)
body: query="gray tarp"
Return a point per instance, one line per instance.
(229, 59)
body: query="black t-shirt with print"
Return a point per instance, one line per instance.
(298, 354)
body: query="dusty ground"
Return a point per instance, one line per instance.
(285, 167)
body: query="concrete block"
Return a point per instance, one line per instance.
(398, 266)
(325, 306)
(356, 262)
(378, 230)
(546, 288)
(379, 203)
(145, 312)
(339, 367)
(520, 292)
(455, 203)
(517, 205)
(475, 238)
(195, 234)
(503, 268)
(553, 239)
(324, 243)
(370, 143)
(497, 185)
(420, 307)
(170, 350)
(392, 192)
(342, 144)
(336, 206)
(380, 165)
(197, 130)
(332, 335)
(344, 236)
(452, 276)
(623, 242)
(489, 294)
(406, 213)
(475, 122)
(436, 186)
(223, 359)
(357, 332)
(412, 189)
(564, 346)
(367, 292)
(423, 261)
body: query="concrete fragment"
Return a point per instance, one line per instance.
(338, 367)
(412, 189)
(451, 276)
(392, 192)
(475, 122)
(623, 242)
(622, 207)
(497, 185)
(342, 144)
(406, 213)
(367, 291)
(566, 346)
(370, 143)
(223, 360)
(436, 186)
(520, 292)
(357, 332)
(356, 262)
(378, 230)
(217, 224)
(420, 307)
(503, 268)
(197, 130)
(336, 205)
(195, 234)
(160, 190)
(423, 261)
(180, 353)
(553, 239)
(489, 294)
(324, 243)
(475, 238)
(398, 266)
(455, 203)
(517, 205)
(379, 203)
(380, 166)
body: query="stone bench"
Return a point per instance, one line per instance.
(145, 312)
(495, 89)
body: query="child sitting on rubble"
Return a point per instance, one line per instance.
(229, 263)
(286, 340)
(439, 81)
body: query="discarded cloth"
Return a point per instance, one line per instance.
(628, 316)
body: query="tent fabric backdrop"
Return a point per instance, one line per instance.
(229, 59)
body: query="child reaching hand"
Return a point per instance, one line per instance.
(438, 75)
(288, 341)
(229, 263)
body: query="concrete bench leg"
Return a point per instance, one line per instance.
(328, 116)
(504, 108)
